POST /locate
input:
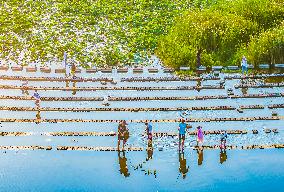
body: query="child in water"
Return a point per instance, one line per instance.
(199, 135)
(223, 139)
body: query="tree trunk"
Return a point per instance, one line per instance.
(198, 58)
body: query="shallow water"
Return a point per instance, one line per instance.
(237, 170)
(258, 170)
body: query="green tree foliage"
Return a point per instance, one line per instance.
(216, 35)
(268, 47)
(220, 32)
(104, 32)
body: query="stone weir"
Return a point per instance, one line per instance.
(142, 121)
(144, 98)
(111, 88)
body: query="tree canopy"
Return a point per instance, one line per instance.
(102, 32)
(223, 32)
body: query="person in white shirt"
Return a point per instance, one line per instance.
(244, 65)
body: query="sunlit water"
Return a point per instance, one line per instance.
(162, 169)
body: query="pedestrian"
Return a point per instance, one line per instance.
(244, 65)
(25, 87)
(37, 98)
(199, 135)
(223, 139)
(123, 134)
(182, 130)
(149, 130)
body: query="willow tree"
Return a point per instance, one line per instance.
(268, 47)
(210, 33)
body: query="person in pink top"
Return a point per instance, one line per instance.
(199, 135)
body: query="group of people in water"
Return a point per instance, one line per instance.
(123, 135)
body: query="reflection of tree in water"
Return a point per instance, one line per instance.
(122, 160)
(223, 156)
(183, 168)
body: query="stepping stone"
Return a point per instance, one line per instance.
(250, 67)
(232, 67)
(78, 71)
(275, 130)
(109, 70)
(240, 110)
(217, 68)
(122, 70)
(60, 70)
(263, 66)
(267, 130)
(31, 69)
(184, 68)
(45, 69)
(274, 113)
(138, 70)
(91, 70)
(168, 70)
(17, 68)
(201, 68)
(216, 73)
(279, 65)
(153, 70)
(4, 67)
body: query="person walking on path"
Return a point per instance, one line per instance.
(199, 135)
(123, 134)
(37, 98)
(25, 87)
(182, 130)
(244, 65)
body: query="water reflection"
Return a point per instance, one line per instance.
(183, 168)
(150, 150)
(38, 117)
(223, 156)
(244, 89)
(200, 156)
(122, 160)
(74, 88)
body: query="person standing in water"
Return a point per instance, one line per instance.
(182, 130)
(37, 98)
(149, 130)
(223, 139)
(123, 134)
(199, 135)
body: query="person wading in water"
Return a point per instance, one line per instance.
(123, 134)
